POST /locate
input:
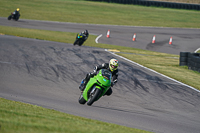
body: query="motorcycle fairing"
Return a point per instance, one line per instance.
(101, 81)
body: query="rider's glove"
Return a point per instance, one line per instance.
(95, 72)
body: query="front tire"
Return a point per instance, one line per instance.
(80, 44)
(76, 42)
(94, 96)
(17, 19)
(81, 100)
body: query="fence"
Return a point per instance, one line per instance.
(155, 3)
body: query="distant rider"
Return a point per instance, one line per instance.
(16, 13)
(83, 35)
(112, 66)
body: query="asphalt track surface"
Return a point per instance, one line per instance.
(183, 40)
(48, 74)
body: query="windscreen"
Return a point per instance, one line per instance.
(106, 74)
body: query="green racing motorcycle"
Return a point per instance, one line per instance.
(96, 87)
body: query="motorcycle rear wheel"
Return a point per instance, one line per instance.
(93, 96)
(9, 17)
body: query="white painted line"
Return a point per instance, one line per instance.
(153, 71)
(96, 40)
(154, 81)
(197, 50)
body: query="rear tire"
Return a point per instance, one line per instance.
(184, 54)
(9, 17)
(183, 63)
(94, 96)
(183, 59)
(81, 100)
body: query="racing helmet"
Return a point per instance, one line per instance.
(17, 9)
(113, 64)
(86, 32)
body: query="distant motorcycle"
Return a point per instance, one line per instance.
(14, 16)
(80, 39)
(96, 87)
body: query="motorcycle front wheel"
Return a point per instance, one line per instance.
(81, 43)
(94, 95)
(16, 19)
(76, 42)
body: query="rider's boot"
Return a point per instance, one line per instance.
(84, 82)
(82, 85)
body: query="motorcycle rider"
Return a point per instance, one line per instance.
(16, 13)
(84, 34)
(112, 66)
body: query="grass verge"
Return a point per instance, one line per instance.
(101, 13)
(166, 64)
(17, 117)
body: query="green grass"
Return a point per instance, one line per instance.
(101, 13)
(168, 66)
(17, 117)
(56, 36)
